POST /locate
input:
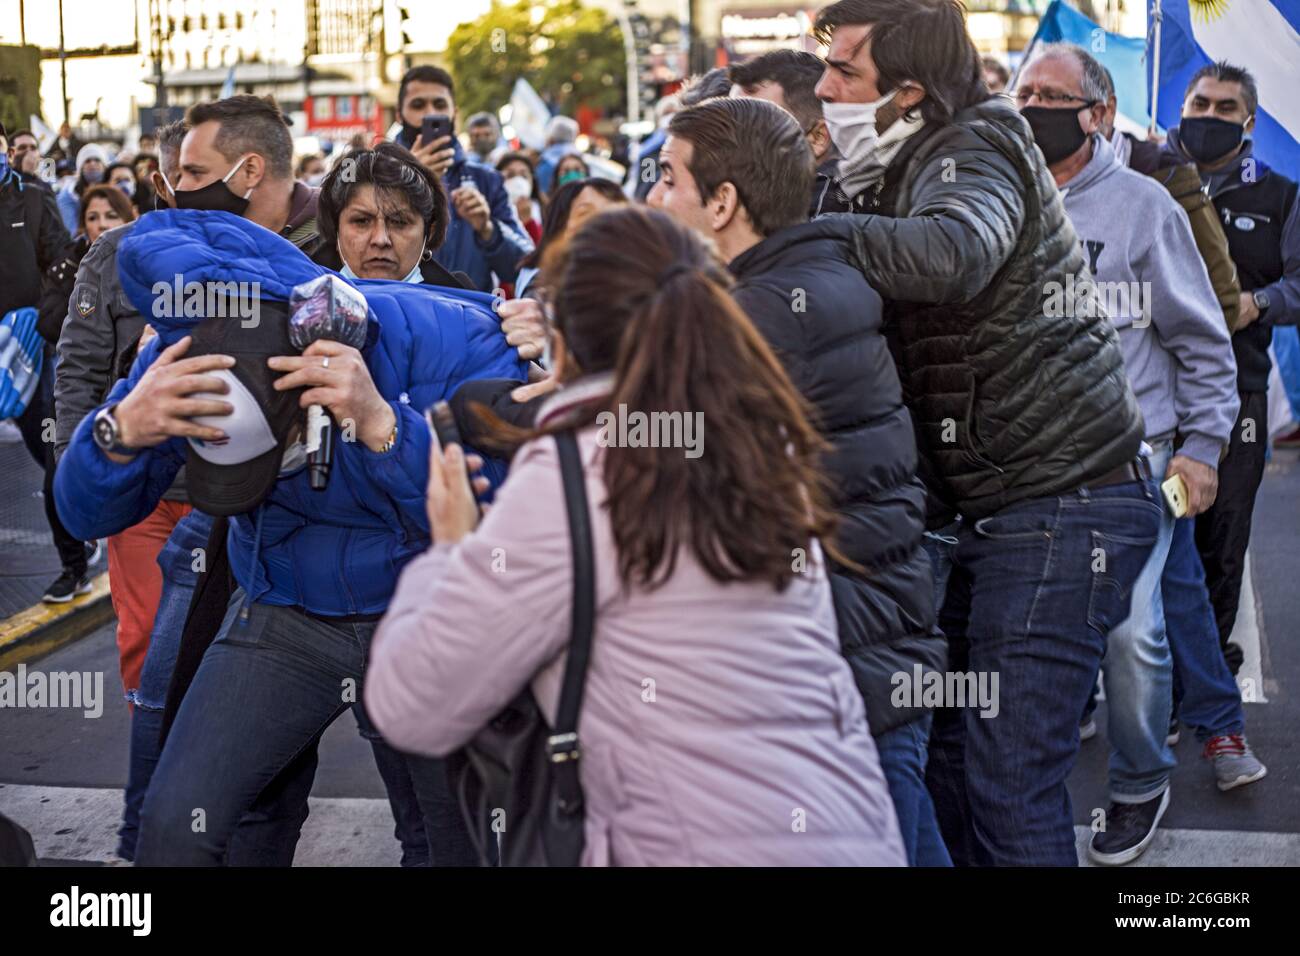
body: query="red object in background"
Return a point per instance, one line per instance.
(340, 116)
(586, 115)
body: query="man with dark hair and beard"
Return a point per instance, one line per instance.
(1026, 424)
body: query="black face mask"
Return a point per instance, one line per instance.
(1056, 131)
(1205, 138)
(215, 196)
(412, 133)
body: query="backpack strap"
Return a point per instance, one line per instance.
(562, 747)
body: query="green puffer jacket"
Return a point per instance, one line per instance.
(966, 239)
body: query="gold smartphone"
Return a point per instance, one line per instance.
(1175, 491)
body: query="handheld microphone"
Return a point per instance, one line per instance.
(324, 308)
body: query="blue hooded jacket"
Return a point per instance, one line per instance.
(463, 251)
(334, 552)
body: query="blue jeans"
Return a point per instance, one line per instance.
(249, 725)
(1139, 676)
(1203, 685)
(902, 758)
(429, 822)
(1028, 601)
(179, 577)
(271, 822)
(940, 545)
(267, 834)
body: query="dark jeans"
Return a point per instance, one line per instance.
(1034, 591)
(176, 562)
(902, 758)
(267, 834)
(940, 545)
(428, 819)
(1203, 686)
(32, 425)
(264, 693)
(1223, 532)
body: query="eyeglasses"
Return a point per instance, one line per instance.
(1050, 99)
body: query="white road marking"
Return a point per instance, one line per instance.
(80, 823)
(1246, 633)
(1209, 848)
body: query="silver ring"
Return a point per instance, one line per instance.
(325, 362)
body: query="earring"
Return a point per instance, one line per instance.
(426, 255)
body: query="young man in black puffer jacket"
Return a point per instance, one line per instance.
(798, 283)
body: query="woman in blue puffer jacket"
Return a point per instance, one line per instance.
(315, 569)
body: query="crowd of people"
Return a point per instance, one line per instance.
(947, 347)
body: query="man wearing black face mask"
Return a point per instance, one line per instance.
(1156, 291)
(234, 155)
(1261, 217)
(243, 144)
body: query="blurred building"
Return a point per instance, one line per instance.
(736, 29)
(323, 60)
(331, 64)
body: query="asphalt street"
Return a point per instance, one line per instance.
(61, 773)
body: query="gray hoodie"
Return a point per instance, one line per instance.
(1154, 285)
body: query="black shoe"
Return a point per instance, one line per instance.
(68, 585)
(1234, 656)
(1130, 828)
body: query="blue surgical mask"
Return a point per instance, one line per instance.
(412, 276)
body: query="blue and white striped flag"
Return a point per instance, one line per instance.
(1121, 55)
(1261, 35)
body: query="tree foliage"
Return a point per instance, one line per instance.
(571, 54)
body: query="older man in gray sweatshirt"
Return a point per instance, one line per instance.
(1179, 360)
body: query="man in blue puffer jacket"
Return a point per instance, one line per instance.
(315, 569)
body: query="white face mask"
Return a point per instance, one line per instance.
(853, 127)
(518, 187)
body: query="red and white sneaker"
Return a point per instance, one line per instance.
(1235, 765)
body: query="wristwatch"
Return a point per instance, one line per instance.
(1261, 301)
(107, 434)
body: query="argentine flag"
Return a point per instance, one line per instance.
(1261, 35)
(1122, 55)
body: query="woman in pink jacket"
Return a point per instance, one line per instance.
(720, 725)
